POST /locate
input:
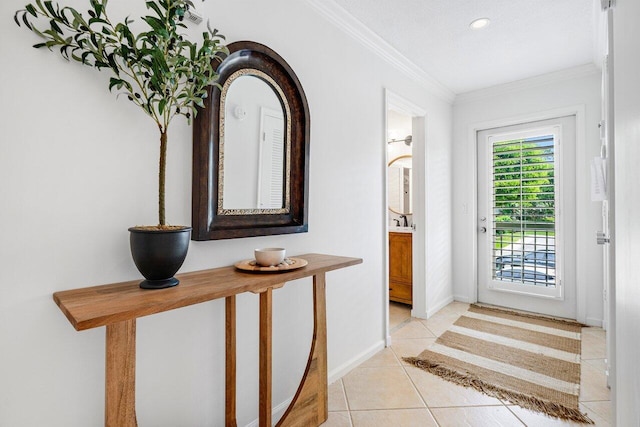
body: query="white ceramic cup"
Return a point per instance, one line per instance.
(268, 257)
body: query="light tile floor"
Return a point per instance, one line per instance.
(385, 391)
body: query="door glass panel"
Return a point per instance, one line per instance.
(524, 211)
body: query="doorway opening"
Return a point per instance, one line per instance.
(399, 216)
(404, 206)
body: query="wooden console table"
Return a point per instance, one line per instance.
(118, 305)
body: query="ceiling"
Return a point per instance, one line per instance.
(525, 38)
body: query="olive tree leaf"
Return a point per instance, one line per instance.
(155, 7)
(159, 69)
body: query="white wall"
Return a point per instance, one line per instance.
(77, 167)
(626, 39)
(507, 104)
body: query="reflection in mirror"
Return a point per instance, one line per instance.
(399, 185)
(254, 146)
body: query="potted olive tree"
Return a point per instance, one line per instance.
(160, 71)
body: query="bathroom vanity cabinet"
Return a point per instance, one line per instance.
(400, 267)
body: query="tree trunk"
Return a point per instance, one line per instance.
(161, 176)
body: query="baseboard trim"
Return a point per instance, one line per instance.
(462, 298)
(276, 413)
(345, 368)
(592, 321)
(436, 308)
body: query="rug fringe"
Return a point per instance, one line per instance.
(529, 402)
(529, 315)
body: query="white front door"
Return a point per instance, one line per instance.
(526, 217)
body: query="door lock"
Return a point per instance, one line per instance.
(484, 220)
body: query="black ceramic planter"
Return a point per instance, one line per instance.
(159, 254)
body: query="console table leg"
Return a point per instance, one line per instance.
(264, 408)
(320, 326)
(310, 404)
(120, 375)
(230, 364)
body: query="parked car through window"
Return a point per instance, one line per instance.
(546, 259)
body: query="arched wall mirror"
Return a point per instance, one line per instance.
(251, 149)
(399, 185)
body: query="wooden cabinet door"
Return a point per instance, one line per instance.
(400, 267)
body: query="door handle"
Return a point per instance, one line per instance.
(601, 238)
(483, 229)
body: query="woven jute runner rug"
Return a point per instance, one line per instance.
(528, 360)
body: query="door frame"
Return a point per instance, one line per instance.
(581, 185)
(419, 132)
(608, 115)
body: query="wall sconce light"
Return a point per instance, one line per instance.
(239, 112)
(407, 140)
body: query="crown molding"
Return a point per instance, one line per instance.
(342, 19)
(530, 83)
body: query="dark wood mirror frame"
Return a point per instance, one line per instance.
(207, 224)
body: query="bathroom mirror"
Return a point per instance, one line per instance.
(251, 149)
(399, 185)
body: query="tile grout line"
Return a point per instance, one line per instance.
(515, 415)
(346, 400)
(404, 368)
(400, 325)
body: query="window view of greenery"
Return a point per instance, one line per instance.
(524, 211)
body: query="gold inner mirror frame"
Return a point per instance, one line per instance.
(287, 150)
(397, 159)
